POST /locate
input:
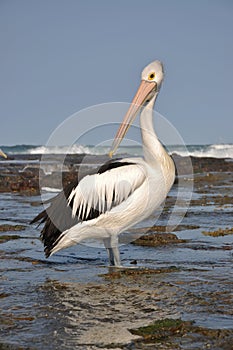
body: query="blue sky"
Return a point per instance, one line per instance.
(58, 57)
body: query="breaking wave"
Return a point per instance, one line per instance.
(201, 151)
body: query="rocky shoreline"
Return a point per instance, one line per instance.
(27, 173)
(175, 291)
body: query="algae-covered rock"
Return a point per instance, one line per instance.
(219, 232)
(7, 227)
(170, 332)
(157, 239)
(162, 329)
(5, 238)
(135, 273)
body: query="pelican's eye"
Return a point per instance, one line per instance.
(151, 76)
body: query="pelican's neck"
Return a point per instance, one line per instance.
(152, 148)
(154, 153)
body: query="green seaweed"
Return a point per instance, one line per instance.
(162, 329)
(170, 330)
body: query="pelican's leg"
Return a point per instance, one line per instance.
(111, 244)
(115, 257)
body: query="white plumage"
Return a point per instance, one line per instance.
(105, 191)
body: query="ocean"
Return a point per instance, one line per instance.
(214, 150)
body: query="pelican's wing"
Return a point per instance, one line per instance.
(88, 197)
(106, 189)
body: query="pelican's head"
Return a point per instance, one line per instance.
(154, 73)
(152, 77)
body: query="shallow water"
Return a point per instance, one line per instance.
(71, 301)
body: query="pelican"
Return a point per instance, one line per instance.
(122, 192)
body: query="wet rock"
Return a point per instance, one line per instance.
(167, 228)
(22, 175)
(219, 232)
(4, 295)
(173, 333)
(158, 239)
(133, 262)
(9, 228)
(116, 273)
(6, 228)
(202, 165)
(162, 329)
(5, 238)
(19, 183)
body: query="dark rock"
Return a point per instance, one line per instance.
(157, 239)
(22, 175)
